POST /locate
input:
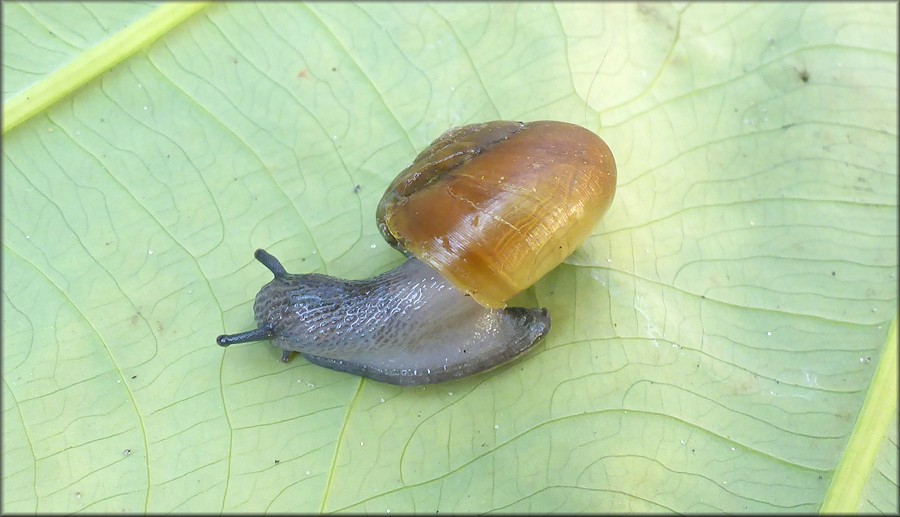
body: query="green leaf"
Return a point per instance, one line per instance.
(720, 343)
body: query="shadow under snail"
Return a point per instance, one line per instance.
(481, 214)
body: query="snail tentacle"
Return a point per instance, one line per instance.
(260, 334)
(272, 263)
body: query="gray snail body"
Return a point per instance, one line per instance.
(481, 214)
(352, 326)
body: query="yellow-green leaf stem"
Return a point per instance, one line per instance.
(95, 61)
(853, 471)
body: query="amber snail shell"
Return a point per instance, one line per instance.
(495, 206)
(482, 213)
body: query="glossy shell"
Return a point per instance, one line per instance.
(495, 206)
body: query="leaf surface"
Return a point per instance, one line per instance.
(713, 342)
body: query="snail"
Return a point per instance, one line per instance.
(481, 214)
